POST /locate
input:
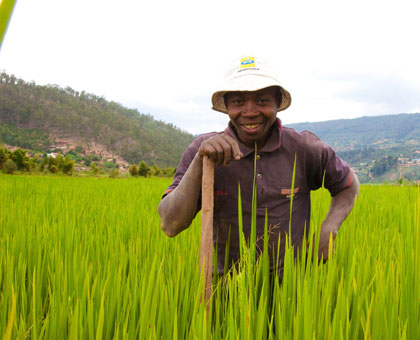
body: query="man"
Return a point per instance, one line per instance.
(252, 96)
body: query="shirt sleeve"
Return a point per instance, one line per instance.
(326, 168)
(183, 165)
(185, 162)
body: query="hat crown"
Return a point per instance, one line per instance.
(248, 73)
(249, 65)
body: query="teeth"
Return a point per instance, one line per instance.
(251, 126)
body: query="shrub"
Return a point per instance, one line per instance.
(79, 149)
(53, 169)
(114, 174)
(95, 168)
(110, 165)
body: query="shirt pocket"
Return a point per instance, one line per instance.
(288, 192)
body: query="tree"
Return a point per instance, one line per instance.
(384, 164)
(53, 164)
(133, 170)
(169, 172)
(67, 165)
(33, 162)
(155, 171)
(10, 167)
(20, 159)
(43, 164)
(144, 170)
(3, 157)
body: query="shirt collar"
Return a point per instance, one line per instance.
(272, 144)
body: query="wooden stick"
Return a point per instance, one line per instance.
(206, 250)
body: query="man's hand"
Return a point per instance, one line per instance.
(177, 210)
(324, 242)
(221, 149)
(341, 205)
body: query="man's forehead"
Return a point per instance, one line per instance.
(267, 90)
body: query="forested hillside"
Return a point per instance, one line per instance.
(33, 116)
(379, 148)
(346, 134)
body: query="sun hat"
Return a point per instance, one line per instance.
(248, 74)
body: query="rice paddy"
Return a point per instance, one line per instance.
(84, 258)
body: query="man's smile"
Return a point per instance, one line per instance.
(251, 127)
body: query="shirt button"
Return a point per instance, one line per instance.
(258, 156)
(259, 176)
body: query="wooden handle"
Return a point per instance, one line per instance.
(206, 250)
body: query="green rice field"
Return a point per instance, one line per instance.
(84, 258)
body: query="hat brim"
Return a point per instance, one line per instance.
(249, 83)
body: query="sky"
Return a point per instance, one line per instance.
(338, 59)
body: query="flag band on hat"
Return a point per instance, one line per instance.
(247, 62)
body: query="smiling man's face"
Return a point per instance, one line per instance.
(253, 114)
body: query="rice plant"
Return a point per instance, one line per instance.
(84, 258)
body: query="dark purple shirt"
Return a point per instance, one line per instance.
(274, 172)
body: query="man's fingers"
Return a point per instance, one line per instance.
(213, 150)
(207, 149)
(324, 243)
(227, 151)
(221, 149)
(236, 152)
(220, 152)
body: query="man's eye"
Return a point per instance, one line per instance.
(264, 100)
(237, 101)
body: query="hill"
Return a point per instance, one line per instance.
(42, 118)
(347, 134)
(380, 148)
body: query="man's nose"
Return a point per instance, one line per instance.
(250, 107)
